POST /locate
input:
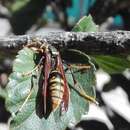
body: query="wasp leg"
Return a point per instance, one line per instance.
(79, 66)
(21, 107)
(37, 45)
(30, 72)
(84, 95)
(36, 68)
(25, 101)
(80, 89)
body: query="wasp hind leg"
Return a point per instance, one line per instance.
(78, 87)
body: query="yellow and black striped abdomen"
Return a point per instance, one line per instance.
(56, 88)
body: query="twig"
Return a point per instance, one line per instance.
(115, 42)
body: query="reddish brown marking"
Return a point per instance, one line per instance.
(47, 69)
(66, 95)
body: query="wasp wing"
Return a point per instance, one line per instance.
(66, 95)
(47, 69)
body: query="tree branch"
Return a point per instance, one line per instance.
(115, 42)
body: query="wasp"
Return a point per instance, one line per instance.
(55, 89)
(55, 82)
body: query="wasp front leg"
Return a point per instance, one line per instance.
(41, 49)
(35, 68)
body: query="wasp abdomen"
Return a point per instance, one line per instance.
(56, 88)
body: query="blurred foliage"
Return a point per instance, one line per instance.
(85, 24)
(112, 64)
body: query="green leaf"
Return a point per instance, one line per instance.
(24, 61)
(112, 64)
(85, 24)
(19, 87)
